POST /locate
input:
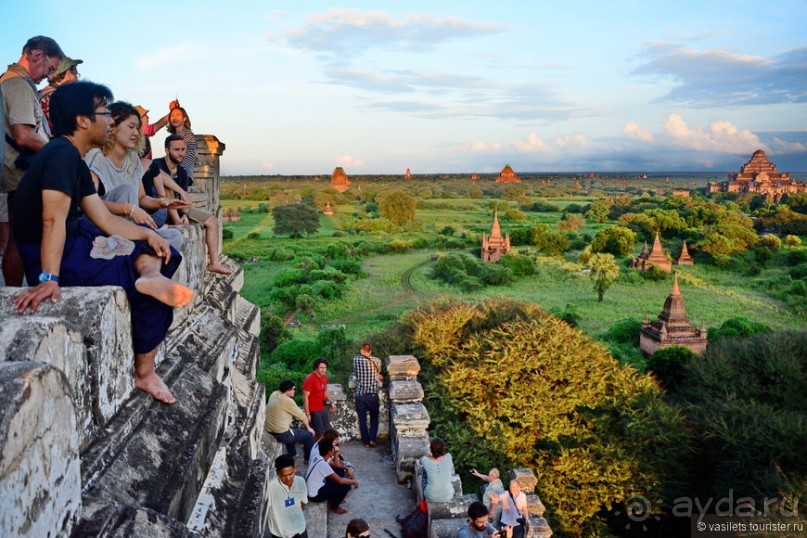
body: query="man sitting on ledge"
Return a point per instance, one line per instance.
(62, 230)
(280, 411)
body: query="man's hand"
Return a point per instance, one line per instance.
(161, 247)
(173, 203)
(33, 296)
(311, 430)
(141, 216)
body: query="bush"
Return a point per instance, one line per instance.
(654, 274)
(558, 403)
(796, 257)
(469, 272)
(273, 332)
(738, 327)
(793, 241)
(568, 314)
(771, 242)
(615, 240)
(625, 331)
(227, 233)
(669, 365)
(518, 264)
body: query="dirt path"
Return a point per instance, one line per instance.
(406, 277)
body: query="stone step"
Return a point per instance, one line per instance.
(105, 518)
(163, 462)
(248, 316)
(248, 354)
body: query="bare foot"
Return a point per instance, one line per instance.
(164, 290)
(154, 385)
(218, 268)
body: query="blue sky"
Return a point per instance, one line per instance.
(456, 86)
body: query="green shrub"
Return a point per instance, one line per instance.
(654, 274)
(274, 372)
(771, 242)
(281, 255)
(796, 257)
(625, 331)
(669, 365)
(738, 327)
(518, 264)
(273, 332)
(793, 241)
(227, 233)
(568, 314)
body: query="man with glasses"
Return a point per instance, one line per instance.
(26, 131)
(280, 411)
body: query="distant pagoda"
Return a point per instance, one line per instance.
(474, 176)
(654, 257)
(759, 176)
(339, 180)
(672, 328)
(408, 174)
(328, 209)
(494, 246)
(685, 258)
(507, 175)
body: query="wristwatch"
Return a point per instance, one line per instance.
(44, 277)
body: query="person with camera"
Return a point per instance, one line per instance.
(514, 511)
(478, 525)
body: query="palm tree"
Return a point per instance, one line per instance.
(604, 271)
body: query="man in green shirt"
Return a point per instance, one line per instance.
(280, 411)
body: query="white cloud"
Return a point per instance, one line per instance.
(779, 147)
(635, 131)
(169, 55)
(719, 136)
(267, 166)
(349, 161)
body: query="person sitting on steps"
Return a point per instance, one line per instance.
(323, 482)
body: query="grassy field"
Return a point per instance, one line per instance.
(397, 282)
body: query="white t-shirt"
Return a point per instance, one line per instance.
(317, 473)
(510, 513)
(110, 175)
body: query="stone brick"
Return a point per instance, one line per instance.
(405, 391)
(402, 367)
(526, 479)
(410, 419)
(40, 475)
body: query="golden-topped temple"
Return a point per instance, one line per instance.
(507, 175)
(672, 328)
(759, 176)
(339, 180)
(494, 246)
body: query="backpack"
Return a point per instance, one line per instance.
(415, 524)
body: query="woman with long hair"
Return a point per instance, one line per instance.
(179, 123)
(117, 173)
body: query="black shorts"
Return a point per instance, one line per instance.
(320, 421)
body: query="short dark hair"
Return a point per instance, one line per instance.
(477, 510)
(319, 361)
(367, 347)
(325, 446)
(437, 447)
(173, 138)
(286, 385)
(283, 461)
(331, 434)
(356, 526)
(72, 100)
(46, 44)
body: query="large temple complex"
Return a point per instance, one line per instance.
(494, 246)
(672, 328)
(759, 176)
(339, 180)
(507, 175)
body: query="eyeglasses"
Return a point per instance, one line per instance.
(51, 68)
(364, 535)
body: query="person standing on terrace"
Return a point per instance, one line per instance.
(179, 123)
(63, 233)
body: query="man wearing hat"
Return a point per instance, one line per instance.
(64, 74)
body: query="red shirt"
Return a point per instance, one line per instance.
(317, 385)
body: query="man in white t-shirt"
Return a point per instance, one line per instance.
(323, 482)
(287, 496)
(514, 511)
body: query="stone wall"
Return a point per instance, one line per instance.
(83, 452)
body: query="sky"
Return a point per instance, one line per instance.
(300, 87)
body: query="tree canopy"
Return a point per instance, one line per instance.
(295, 220)
(398, 207)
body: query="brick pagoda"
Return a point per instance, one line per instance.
(685, 258)
(672, 328)
(339, 180)
(654, 257)
(494, 246)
